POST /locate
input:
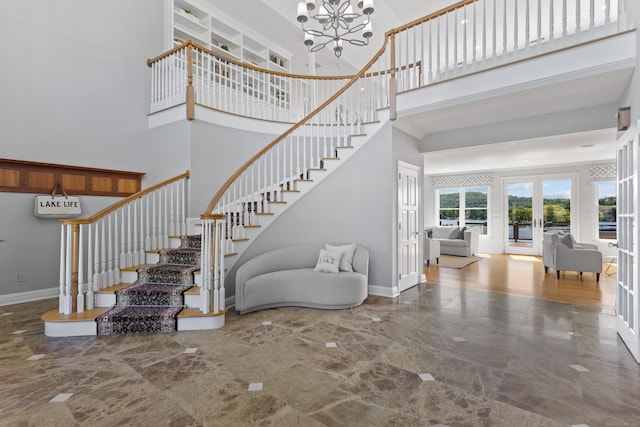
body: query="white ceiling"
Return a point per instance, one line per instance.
(588, 147)
(275, 20)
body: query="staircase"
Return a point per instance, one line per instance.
(160, 296)
(101, 255)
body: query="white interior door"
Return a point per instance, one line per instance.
(408, 226)
(627, 304)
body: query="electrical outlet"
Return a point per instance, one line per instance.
(22, 277)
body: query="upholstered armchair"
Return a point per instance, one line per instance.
(563, 253)
(431, 250)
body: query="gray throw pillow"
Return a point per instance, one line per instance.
(454, 233)
(567, 240)
(461, 233)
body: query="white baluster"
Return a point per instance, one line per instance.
(68, 297)
(129, 239)
(142, 255)
(515, 28)
(564, 21)
(63, 265)
(91, 285)
(97, 279)
(552, 35)
(504, 30)
(81, 285)
(109, 252)
(116, 250)
(103, 253)
(578, 19)
(592, 15)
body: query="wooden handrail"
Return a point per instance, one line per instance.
(117, 205)
(243, 64)
(322, 106)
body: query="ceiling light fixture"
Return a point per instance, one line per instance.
(336, 18)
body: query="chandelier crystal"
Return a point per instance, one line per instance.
(336, 23)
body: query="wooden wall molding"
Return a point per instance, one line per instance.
(20, 176)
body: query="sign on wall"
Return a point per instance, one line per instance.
(52, 206)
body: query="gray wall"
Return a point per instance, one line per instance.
(354, 204)
(216, 153)
(75, 90)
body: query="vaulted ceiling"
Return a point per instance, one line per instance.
(276, 20)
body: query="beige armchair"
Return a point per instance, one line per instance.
(565, 254)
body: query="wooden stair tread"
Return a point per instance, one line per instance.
(194, 290)
(303, 180)
(113, 288)
(290, 191)
(86, 316)
(253, 226)
(264, 213)
(195, 312)
(279, 202)
(331, 158)
(231, 254)
(243, 239)
(317, 169)
(134, 268)
(346, 146)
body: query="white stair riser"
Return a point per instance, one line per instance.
(193, 301)
(200, 323)
(105, 300)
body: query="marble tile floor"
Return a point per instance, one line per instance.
(435, 356)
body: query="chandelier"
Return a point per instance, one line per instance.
(336, 20)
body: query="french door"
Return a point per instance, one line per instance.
(627, 305)
(534, 205)
(409, 267)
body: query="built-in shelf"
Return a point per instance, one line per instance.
(200, 22)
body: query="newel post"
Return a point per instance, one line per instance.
(190, 90)
(392, 80)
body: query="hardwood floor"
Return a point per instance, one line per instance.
(524, 276)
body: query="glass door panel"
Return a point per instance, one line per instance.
(519, 216)
(556, 204)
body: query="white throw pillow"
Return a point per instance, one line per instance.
(442, 232)
(346, 262)
(328, 261)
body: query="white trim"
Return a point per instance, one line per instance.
(29, 296)
(384, 291)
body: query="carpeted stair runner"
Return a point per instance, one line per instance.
(153, 302)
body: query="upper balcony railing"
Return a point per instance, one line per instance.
(468, 37)
(193, 75)
(477, 35)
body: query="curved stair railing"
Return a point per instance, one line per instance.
(328, 112)
(468, 37)
(260, 185)
(95, 249)
(194, 75)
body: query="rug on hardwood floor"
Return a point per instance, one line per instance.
(151, 305)
(450, 261)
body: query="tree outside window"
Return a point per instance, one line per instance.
(607, 212)
(464, 207)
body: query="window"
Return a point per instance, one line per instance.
(449, 207)
(607, 212)
(464, 207)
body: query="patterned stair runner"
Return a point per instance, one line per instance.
(154, 301)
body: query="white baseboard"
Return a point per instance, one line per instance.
(29, 296)
(383, 291)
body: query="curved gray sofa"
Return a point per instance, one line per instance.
(284, 277)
